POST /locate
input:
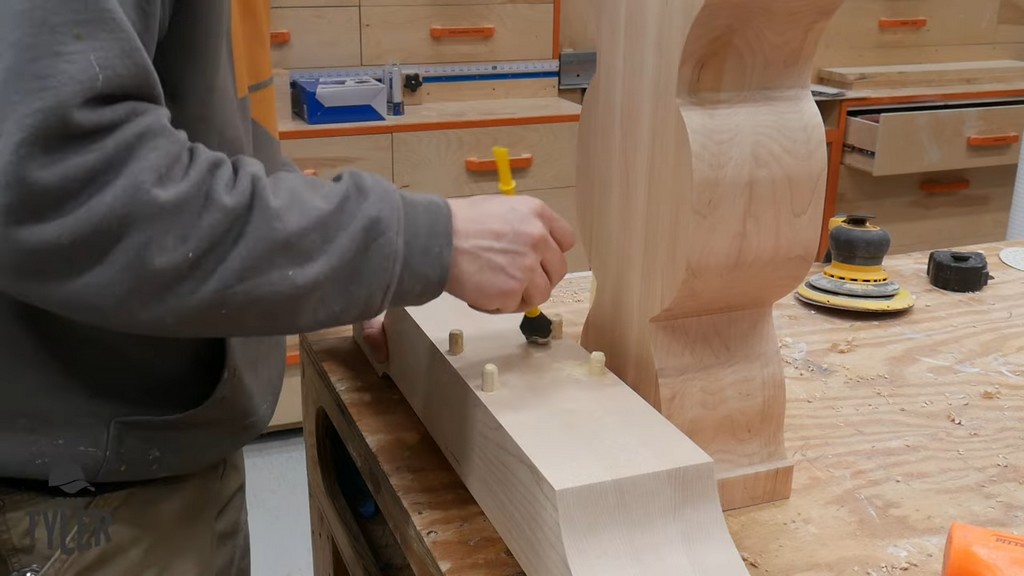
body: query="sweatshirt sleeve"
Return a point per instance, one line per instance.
(111, 216)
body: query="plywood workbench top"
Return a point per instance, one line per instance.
(899, 426)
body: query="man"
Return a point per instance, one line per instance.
(153, 248)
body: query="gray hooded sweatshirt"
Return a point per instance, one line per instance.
(155, 247)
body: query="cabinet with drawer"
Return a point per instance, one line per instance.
(465, 33)
(314, 37)
(934, 210)
(460, 162)
(910, 140)
(329, 156)
(903, 23)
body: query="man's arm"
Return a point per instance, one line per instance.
(111, 216)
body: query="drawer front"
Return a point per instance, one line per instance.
(314, 37)
(953, 209)
(455, 162)
(328, 156)
(925, 141)
(438, 34)
(896, 23)
(563, 202)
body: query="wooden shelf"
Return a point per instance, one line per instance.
(446, 116)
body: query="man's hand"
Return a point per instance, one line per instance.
(509, 252)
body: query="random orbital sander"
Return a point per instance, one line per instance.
(855, 279)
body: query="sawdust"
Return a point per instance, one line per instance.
(750, 560)
(843, 347)
(991, 395)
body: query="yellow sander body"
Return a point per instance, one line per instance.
(855, 279)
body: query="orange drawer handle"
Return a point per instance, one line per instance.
(279, 37)
(950, 187)
(311, 172)
(993, 140)
(461, 31)
(293, 359)
(902, 23)
(517, 162)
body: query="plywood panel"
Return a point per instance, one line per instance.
(328, 156)
(436, 161)
(402, 33)
(320, 37)
(920, 221)
(577, 27)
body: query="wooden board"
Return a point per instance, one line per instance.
(311, 3)
(447, 116)
(320, 37)
(449, 2)
(944, 74)
(708, 163)
(578, 474)
(329, 156)
(436, 161)
(288, 414)
(483, 90)
(879, 475)
(403, 33)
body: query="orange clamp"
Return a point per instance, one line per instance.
(993, 140)
(438, 32)
(279, 37)
(902, 23)
(491, 165)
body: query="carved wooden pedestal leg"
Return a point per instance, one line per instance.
(701, 188)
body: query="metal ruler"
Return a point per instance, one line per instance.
(445, 72)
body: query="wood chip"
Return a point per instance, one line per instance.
(844, 347)
(991, 395)
(955, 419)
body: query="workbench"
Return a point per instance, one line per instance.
(898, 425)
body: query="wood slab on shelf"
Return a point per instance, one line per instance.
(445, 116)
(899, 425)
(906, 75)
(579, 475)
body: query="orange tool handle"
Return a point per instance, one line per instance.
(517, 162)
(439, 32)
(902, 23)
(279, 37)
(949, 187)
(293, 359)
(311, 172)
(993, 140)
(976, 551)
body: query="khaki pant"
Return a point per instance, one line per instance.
(195, 525)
